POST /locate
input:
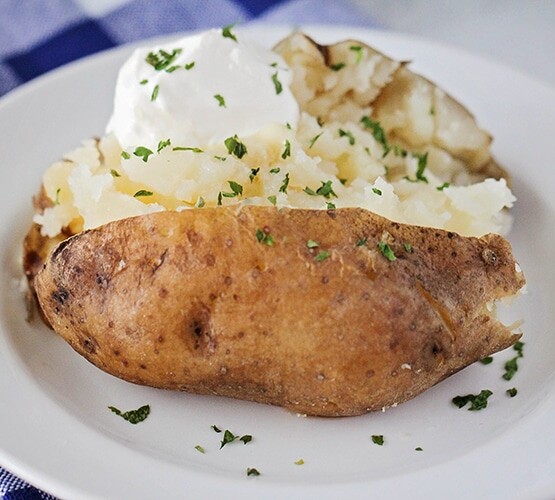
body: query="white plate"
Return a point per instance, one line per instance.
(56, 430)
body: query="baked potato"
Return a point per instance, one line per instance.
(329, 313)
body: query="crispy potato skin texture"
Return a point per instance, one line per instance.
(194, 301)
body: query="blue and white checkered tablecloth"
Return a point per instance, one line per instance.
(37, 36)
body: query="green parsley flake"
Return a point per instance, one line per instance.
(275, 170)
(511, 366)
(236, 188)
(219, 198)
(272, 199)
(378, 439)
(338, 66)
(125, 155)
(251, 471)
(408, 247)
(512, 392)
(143, 82)
(377, 132)
(386, 251)
(200, 202)
(362, 242)
(346, 133)
(399, 151)
(143, 192)
(314, 139)
(133, 416)
(221, 100)
(215, 428)
(254, 173)
(418, 448)
(277, 83)
(163, 144)
(226, 32)
(312, 244)
(154, 93)
(235, 147)
(57, 200)
(229, 437)
(286, 150)
(358, 49)
(284, 184)
(330, 205)
(142, 152)
(171, 69)
(183, 148)
(477, 401)
(325, 190)
(432, 110)
(377, 191)
(199, 448)
(161, 60)
(189, 66)
(487, 360)
(264, 237)
(300, 461)
(115, 173)
(422, 163)
(322, 255)
(443, 186)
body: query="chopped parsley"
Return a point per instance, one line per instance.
(215, 428)
(322, 255)
(236, 188)
(337, 66)
(286, 150)
(349, 135)
(57, 200)
(487, 360)
(229, 437)
(511, 366)
(325, 190)
(161, 60)
(314, 139)
(183, 148)
(251, 471)
(143, 82)
(125, 155)
(422, 163)
(189, 66)
(312, 244)
(330, 205)
(235, 147)
(115, 173)
(133, 416)
(277, 84)
(377, 191)
(399, 151)
(143, 192)
(378, 439)
(227, 33)
(432, 110)
(171, 69)
(377, 132)
(254, 173)
(418, 448)
(200, 202)
(284, 184)
(408, 247)
(300, 461)
(477, 401)
(358, 49)
(142, 152)
(264, 237)
(199, 448)
(512, 392)
(443, 186)
(154, 93)
(163, 144)
(221, 100)
(275, 170)
(386, 251)
(272, 199)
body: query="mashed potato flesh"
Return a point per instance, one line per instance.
(345, 159)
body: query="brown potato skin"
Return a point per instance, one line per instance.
(194, 301)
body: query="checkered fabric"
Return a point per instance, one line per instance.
(37, 36)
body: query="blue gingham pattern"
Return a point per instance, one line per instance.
(37, 36)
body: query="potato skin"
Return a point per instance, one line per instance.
(195, 301)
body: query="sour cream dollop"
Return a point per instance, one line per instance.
(200, 90)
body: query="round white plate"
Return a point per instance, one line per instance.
(57, 432)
